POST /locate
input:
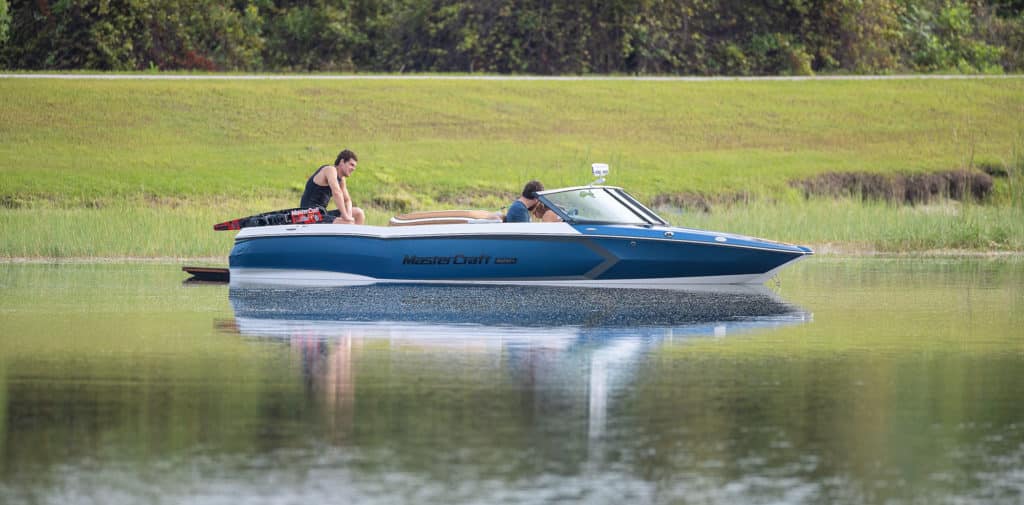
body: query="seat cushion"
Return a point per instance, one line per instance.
(445, 217)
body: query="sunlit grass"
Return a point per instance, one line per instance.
(75, 142)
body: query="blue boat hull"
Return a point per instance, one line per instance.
(548, 254)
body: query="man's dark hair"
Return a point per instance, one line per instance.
(531, 189)
(345, 156)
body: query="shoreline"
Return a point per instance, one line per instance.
(170, 76)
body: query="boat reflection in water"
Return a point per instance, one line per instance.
(458, 311)
(566, 346)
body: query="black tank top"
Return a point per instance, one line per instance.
(316, 195)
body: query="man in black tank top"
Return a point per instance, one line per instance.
(329, 182)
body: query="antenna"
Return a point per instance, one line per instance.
(600, 170)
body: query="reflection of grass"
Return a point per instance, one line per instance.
(78, 157)
(890, 309)
(903, 357)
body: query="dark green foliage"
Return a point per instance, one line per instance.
(941, 35)
(132, 35)
(691, 37)
(1009, 8)
(319, 35)
(5, 22)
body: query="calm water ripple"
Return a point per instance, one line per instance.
(855, 381)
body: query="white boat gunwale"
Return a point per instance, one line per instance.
(497, 231)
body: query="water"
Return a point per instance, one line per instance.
(853, 381)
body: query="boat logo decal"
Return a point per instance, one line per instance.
(458, 259)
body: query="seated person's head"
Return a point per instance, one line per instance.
(531, 189)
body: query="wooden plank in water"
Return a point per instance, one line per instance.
(207, 274)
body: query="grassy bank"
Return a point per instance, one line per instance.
(143, 168)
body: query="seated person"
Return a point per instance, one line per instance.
(327, 183)
(519, 211)
(542, 212)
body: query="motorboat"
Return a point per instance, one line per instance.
(605, 237)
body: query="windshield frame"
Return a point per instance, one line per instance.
(643, 215)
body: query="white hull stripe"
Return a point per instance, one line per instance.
(485, 232)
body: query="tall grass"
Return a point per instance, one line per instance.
(831, 226)
(848, 226)
(110, 232)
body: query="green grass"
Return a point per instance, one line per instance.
(88, 140)
(142, 168)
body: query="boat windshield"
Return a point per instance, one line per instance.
(599, 204)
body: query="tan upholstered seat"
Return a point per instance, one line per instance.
(445, 217)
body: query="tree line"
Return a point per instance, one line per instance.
(647, 37)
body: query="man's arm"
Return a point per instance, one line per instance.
(348, 199)
(340, 194)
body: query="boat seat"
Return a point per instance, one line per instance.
(445, 217)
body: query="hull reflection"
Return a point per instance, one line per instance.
(572, 351)
(446, 311)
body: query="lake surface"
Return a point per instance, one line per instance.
(851, 381)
